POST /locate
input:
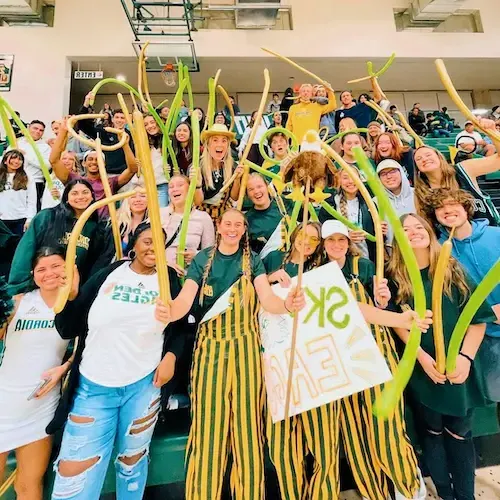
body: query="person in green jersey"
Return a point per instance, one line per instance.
(445, 402)
(227, 387)
(267, 227)
(368, 441)
(433, 171)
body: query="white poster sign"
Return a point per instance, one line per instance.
(88, 75)
(336, 354)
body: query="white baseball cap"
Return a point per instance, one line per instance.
(330, 227)
(389, 163)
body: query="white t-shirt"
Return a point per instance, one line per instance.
(124, 341)
(19, 204)
(475, 135)
(48, 200)
(31, 163)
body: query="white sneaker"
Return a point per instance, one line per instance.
(421, 494)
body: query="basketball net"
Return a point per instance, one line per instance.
(168, 75)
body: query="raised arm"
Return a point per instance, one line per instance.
(59, 169)
(332, 103)
(87, 126)
(131, 162)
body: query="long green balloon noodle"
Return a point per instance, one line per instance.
(166, 143)
(341, 134)
(386, 66)
(475, 301)
(11, 136)
(189, 89)
(24, 130)
(176, 104)
(295, 215)
(312, 213)
(195, 130)
(351, 225)
(393, 391)
(263, 171)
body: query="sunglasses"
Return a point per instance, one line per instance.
(312, 241)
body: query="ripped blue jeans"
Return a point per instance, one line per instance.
(103, 419)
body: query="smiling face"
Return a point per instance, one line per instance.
(416, 232)
(119, 120)
(351, 141)
(36, 131)
(164, 112)
(279, 146)
(311, 240)
(182, 133)
(151, 126)
(362, 98)
(217, 147)
(199, 114)
(347, 184)
(451, 214)
(90, 163)
(469, 128)
(427, 160)
(138, 203)
(68, 160)
(336, 246)
(48, 271)
(306, 92)
(220, 120)
(321, 91)
(374, 131)
(384, 147)
(257, 191)
(13, 163)
(177, 190)
(56, 126)
(79, 197)
(346, 98)
(391, 178)
(144, 250)
(231, 228)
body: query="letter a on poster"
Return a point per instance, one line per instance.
(336, 354)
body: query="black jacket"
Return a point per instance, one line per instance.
(115, 160)
(72, 322)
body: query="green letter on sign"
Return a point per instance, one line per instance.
(318, 303)
(343, 301)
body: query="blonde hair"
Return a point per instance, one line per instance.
(347, 124)
(246, 263)
(207, 164)
(422, 187)
(397, 270)
(124, 216)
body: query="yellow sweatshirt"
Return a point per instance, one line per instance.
(305, 116)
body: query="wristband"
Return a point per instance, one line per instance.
(466, 356)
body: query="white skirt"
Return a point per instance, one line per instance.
(22, 421)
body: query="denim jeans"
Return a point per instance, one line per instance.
(102, 418)
(449, 453)
(163, 197)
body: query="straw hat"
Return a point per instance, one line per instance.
(217, 129)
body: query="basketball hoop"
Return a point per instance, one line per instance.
(168, 75)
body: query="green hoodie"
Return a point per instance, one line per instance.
(94, 248)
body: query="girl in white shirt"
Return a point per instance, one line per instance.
(52, 197)
(17, 193)
(254, 154)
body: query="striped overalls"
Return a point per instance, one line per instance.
(215, 211)
(227, 402)
(377, 450)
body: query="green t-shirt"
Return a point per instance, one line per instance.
(225, 271)
(449, 399)
(366, 272)
(274, 261)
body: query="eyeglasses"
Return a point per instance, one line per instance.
(312, 241)
(388, 171)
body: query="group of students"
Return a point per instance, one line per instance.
(119, 351)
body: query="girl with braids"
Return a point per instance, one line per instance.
(282, 265)
(17, 193)
(267, 228)
(445, 402)
(386, 147)
(349, 202)
(368, 444)
(227, 397)
(433, 171)
(216, 168)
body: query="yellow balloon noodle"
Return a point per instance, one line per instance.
(393, 391)
(209, 119)
(437, 303)
(112, 207)
(257, 122)
(490, 281)
(229, 104)
(11, 136)
(418, 140)
(494, 135)
(300, 68)
(379, 237)
(195, 130)
(43, 166)
(388, 119)
(143, 151)
(8, 483)
(64, 292)
(90, 142)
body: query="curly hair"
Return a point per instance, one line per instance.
(438, 197)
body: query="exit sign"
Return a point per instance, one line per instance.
(89, 75)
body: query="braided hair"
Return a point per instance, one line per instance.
(246, 266)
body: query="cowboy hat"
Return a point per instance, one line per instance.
(217, 129)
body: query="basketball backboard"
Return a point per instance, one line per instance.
(161, 53)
